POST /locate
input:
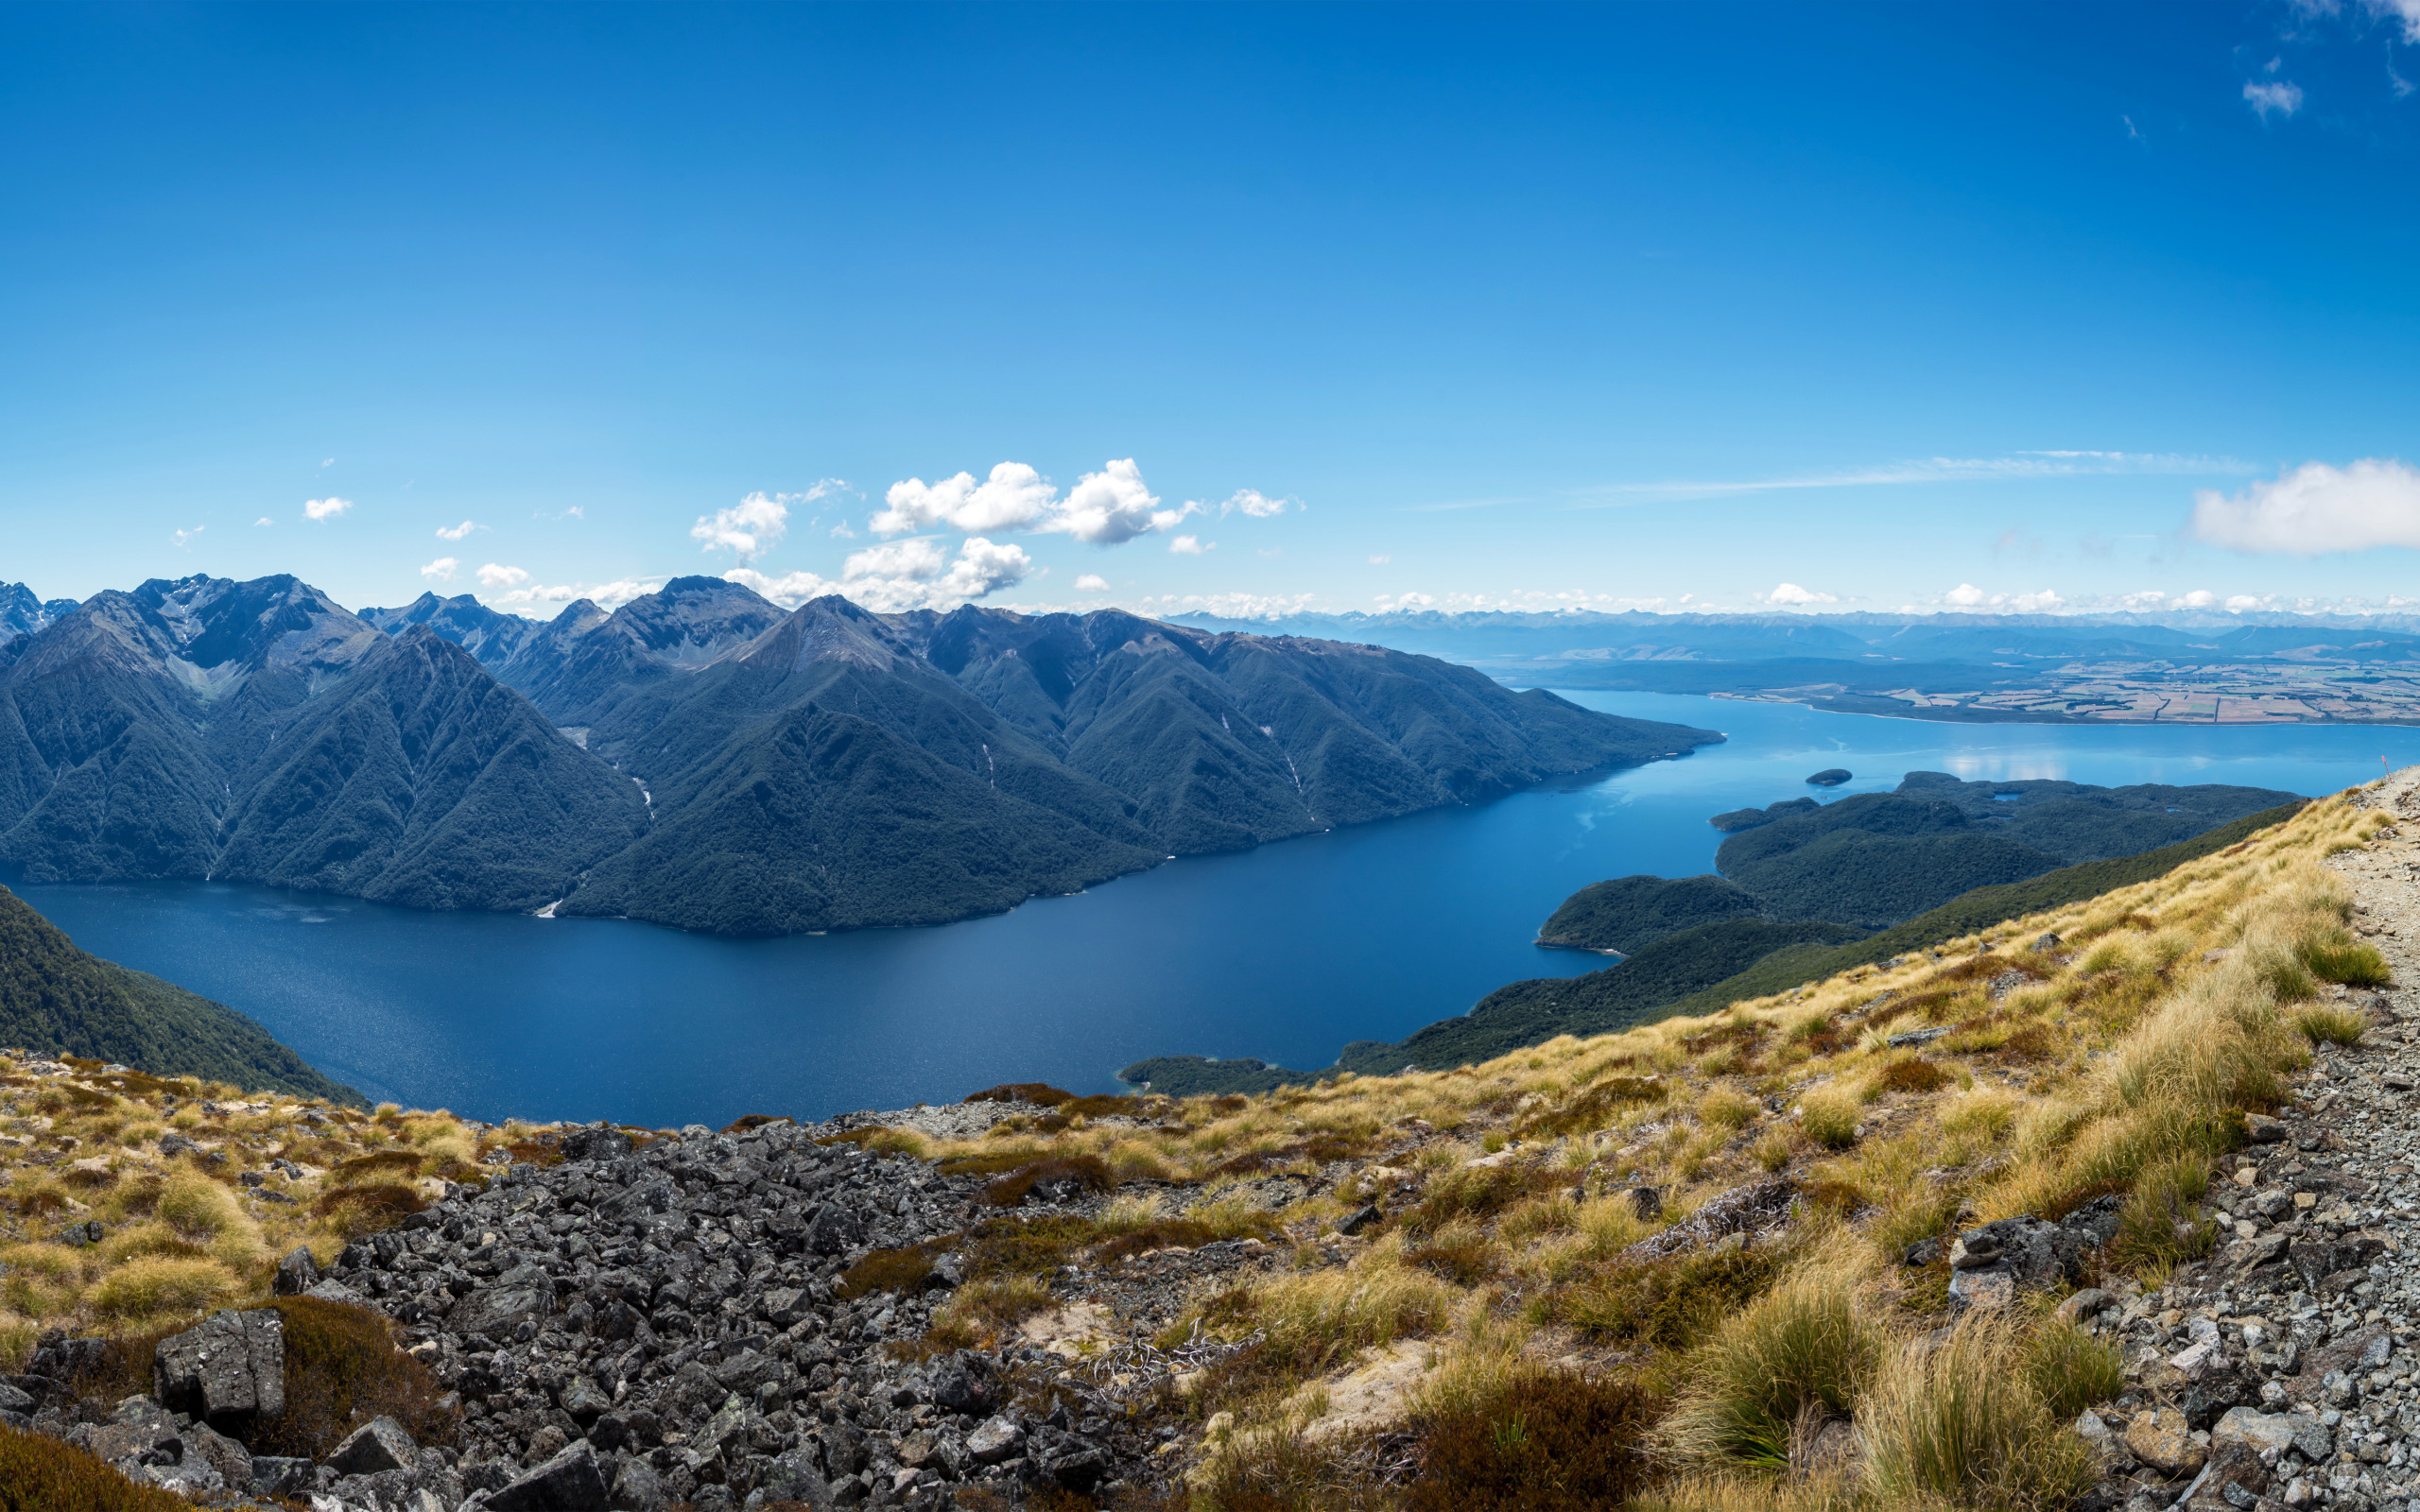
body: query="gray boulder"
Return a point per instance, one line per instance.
(793, 1477)
(522, 1294)
(573, 1481)
(276, 1475)
(297, 1273)
(601, 1142)
(375, 1448)
(836, 1227)
(229, 1372)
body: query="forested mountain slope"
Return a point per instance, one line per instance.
(842, 768)
(700, 757)
(260, 732)
(55, 999)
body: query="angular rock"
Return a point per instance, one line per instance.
(378, 1445)
(2161, 1439)
(585, 1401)
(573, 1481)
(522, 1294)
(792, 1477)
(994, 1442)
(2260, 1430)
(600, 1142)
(228, 1371)
(2264, 1129)
(2083, 1304)
(1988, 1290)
(834, 1229)
(276, 1475)
(1359, 1219)
(2036, 1255)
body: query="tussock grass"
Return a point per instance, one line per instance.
(1961, 1423)
(148, 1286)
(1806, 1344)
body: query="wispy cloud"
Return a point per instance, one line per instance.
(1192, 546)
(2016, 466)
(458, 532)
(327, 508)
(184, 537)
(2281, 98)
(442, 570)
(1445, 505)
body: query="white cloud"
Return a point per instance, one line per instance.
(1793, 594)
(2317, 508)
(327, 508)
(185, 536)
(2283, 98)
(842, 532)
(1256, 504)
(1967, 596)
(919, 558)
(1013, 498)
(1191, 547)
(1112, 507)
(262, 520)
(1229, 606)
(457, 532)
(1380, 562)
(605, 595)
(2407, 11)
(1404, 600)
(442, 570)
(328, 463)
(497, 578)
(1092, 583)
(2240, 602)
(2199, 598)
(749, 528)
(1104, 509)
(902, 575)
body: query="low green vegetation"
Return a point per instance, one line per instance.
(56, 1000)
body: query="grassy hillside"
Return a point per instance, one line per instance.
(55, 999)
(1507, 1326)
(1457, 1295)
(1697, 969)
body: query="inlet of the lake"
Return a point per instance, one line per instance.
(1284, 953)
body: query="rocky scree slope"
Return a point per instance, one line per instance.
(639, 1327)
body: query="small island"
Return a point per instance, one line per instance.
(1830, 776)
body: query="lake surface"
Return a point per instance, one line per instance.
(1284, 953)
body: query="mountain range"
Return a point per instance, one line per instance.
(700, 757)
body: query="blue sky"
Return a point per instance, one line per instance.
(1948, 306)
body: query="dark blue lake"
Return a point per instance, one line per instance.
(1284, 952)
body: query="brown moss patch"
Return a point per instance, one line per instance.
(343, 1368)
(38, 1473)
(1540, 1441)
(1915, 1075)
(1040, 1094)
(1089, 1171)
